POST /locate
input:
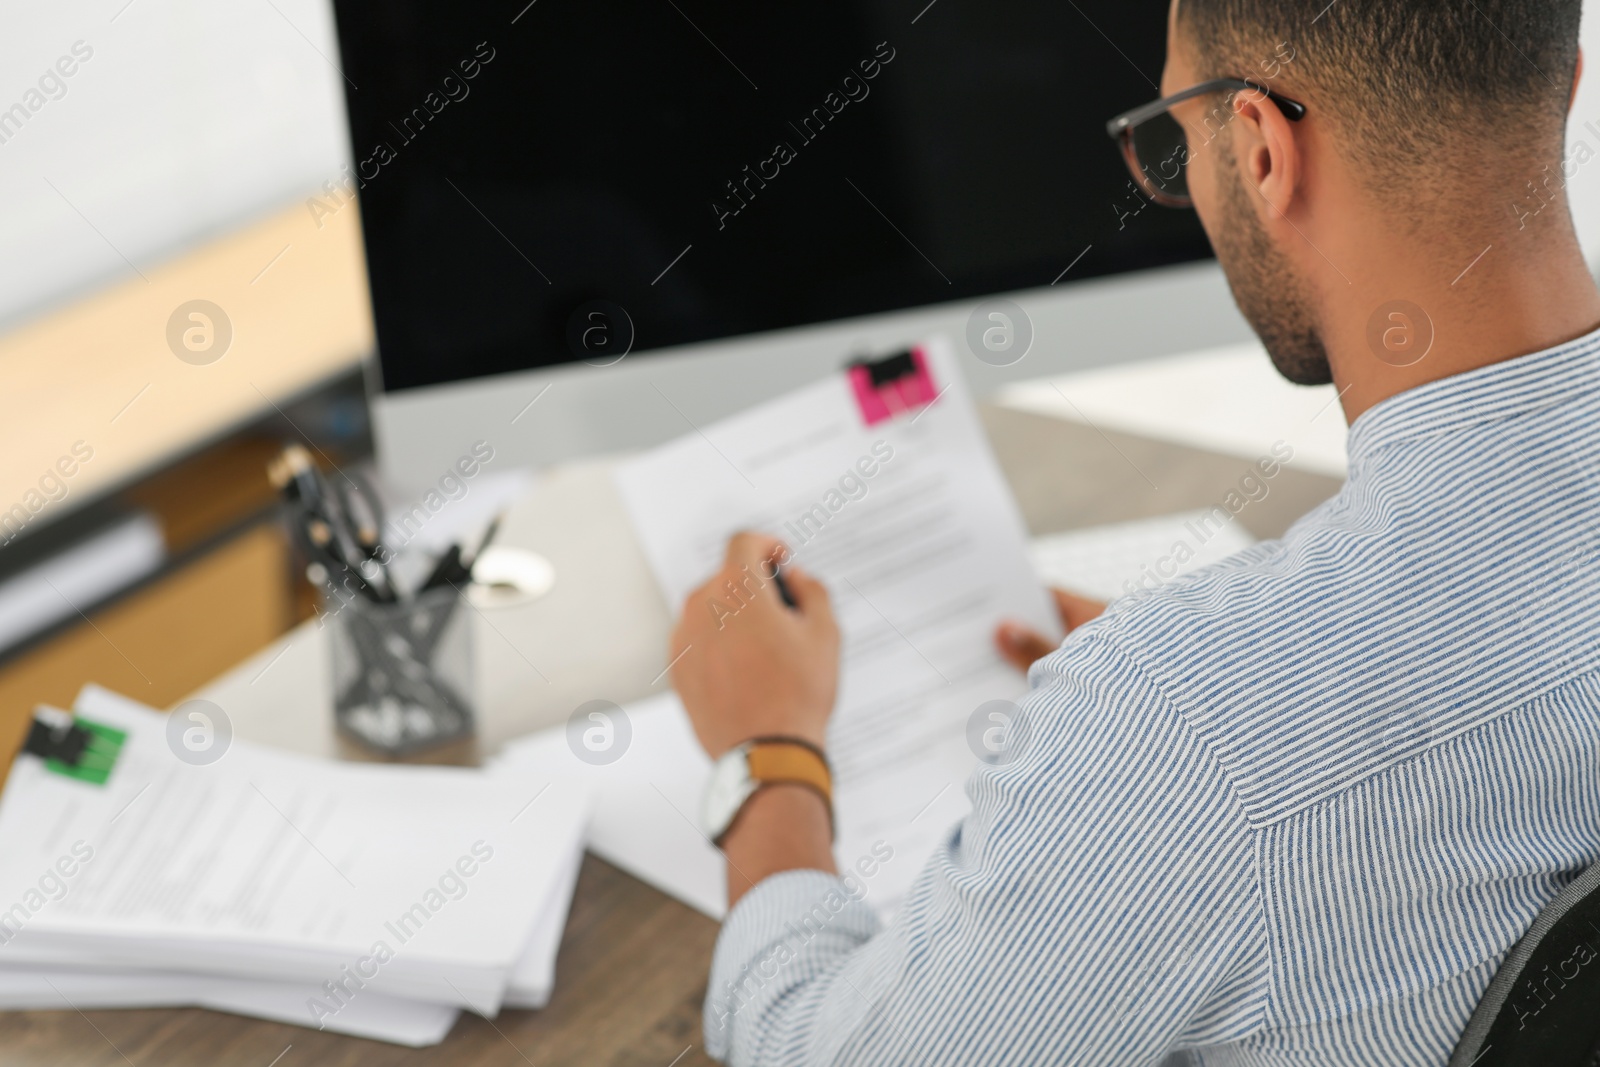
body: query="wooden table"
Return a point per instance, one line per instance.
(632, 970)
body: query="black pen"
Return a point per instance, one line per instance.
(783, 587)
(452, 569)
(447, 571)
(321, 529)
(488, 535)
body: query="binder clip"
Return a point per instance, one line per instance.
(893, 385)
(54, 735)
(73, 747)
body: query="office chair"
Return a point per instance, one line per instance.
(1543, 1006)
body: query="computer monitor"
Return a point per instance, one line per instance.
(738, 196)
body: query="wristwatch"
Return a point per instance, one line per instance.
(745, 769)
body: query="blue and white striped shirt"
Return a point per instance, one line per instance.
(1291, 809)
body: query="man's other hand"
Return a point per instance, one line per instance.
(747, 665)
(1021, 646)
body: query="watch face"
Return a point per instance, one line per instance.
(730, 786)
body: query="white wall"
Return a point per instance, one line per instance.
(189, 118)
(1584, 187)
(193, 116)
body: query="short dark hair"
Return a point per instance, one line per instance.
(1406, 75)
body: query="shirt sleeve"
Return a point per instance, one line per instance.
(1098, 905)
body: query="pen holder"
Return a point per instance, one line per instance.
(402, 672)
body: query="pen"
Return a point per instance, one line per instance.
(362, 515)
(451, 568)
(322, 525)
(783, 588)
(488, 535)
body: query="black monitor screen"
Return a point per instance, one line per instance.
(716, 168)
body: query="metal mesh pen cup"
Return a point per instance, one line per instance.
(402, 672)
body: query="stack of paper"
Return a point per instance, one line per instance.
(646, 816)
(368, 899)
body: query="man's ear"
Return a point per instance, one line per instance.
(1577, 79)
(1267, 150)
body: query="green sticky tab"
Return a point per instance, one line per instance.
(94, 767)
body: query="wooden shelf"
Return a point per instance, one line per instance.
(100, 371)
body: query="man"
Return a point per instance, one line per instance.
(1296, 807)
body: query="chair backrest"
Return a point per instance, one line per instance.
(1543, 1006)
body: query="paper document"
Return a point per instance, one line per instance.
(373, 1016)
(533, 978)
(267, 866)
(647, 804)
(902, 512)
(370, 1015)
(1101, 561)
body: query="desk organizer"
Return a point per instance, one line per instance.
(402, 672)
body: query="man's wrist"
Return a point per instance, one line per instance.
(782, 827)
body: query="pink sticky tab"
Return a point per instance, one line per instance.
(881, 399)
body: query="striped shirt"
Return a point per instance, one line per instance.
(1293, 808)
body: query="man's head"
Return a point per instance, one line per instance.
(1423, 116)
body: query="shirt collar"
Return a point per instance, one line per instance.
(1486, 394)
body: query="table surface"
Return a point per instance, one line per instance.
(631, 974)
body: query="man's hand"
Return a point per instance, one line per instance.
(746, 664)
(1021, 646)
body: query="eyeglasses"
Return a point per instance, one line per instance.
(1155, 145)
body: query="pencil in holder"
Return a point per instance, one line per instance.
(402, 671)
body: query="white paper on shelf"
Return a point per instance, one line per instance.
(81, 575)
(1098, 561)
(922, 560)
(266, 866)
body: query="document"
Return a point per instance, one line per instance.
(1106, 562)
(373, 1016)
(423, 883)
(646, 816)
(533, 977)
(887, 492)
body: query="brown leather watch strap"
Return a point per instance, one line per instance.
(789, 761)
(785, 761)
